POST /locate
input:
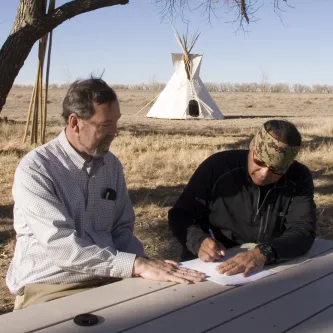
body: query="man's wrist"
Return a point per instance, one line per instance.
(195, 237)
(268, 252)
(137, 266)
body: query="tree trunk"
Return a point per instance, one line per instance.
(28, 12)
(30, 25)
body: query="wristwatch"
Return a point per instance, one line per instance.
(268, 252)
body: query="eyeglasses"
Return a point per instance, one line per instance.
(272, 169)
(102, 128)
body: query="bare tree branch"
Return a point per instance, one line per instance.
(77, 7)
(169, 9)
(30, 25)
(244, 9)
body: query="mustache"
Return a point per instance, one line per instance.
(109, 138)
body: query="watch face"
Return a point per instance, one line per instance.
(267, 251)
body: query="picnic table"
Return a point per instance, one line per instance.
(297, 299)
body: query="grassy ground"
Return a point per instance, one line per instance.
(159, 156)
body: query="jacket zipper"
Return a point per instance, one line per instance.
(268, 210)
(267, 216)
(258, 210)
(259, 229)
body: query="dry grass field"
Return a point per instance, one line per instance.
(159, 156)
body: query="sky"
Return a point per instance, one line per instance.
(132, 44)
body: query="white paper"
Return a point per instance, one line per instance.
(209, 268)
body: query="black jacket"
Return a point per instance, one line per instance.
(221, 195)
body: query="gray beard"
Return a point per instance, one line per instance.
(95, 152)
(98, 152)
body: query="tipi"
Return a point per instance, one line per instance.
(185, 96)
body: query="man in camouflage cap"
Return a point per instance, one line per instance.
(261, 196)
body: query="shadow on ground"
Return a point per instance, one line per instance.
(162, 196)
(6, 211)
(6, 309)
(261, 116)
(5, 235)
(6, 223)
(316, 141)
(154, 233)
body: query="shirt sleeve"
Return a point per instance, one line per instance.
(53, 228)
(122, 232)
(300, 222)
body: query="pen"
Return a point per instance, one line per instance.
(214, 239)
(211, 234)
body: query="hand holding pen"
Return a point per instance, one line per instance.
(211, 249)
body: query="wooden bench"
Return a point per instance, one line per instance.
(297, 299)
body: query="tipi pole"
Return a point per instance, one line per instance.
(35, 106)
(148, 104)
(39, 91)
(46, 89)
(43, 125)
(36, 103)
(205, 105)
(32, 100)
(40, 102)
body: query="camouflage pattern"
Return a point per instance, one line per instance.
(273, 152)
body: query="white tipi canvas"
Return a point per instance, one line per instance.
(174, 100)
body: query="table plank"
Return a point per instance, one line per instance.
(318, 247)
(233, 304)
(143, 309)
(283, 313)
(319, 323)
(50, 313)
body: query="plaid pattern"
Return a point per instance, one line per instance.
(66, 231)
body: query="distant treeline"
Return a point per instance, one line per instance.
(222, 87)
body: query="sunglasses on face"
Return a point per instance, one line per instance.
(272, 169)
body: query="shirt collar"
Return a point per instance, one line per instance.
(75, 157)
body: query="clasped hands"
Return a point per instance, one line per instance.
(244, 262)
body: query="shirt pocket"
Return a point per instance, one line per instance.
(105, 214)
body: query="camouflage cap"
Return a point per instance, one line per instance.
(272, 151)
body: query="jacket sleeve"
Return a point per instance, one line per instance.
(188, 219)
(300, 222)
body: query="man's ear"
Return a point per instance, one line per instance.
(251, 144)
(73, 123)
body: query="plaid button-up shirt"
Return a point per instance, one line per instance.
(67, 231)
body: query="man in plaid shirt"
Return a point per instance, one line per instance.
(72, 214)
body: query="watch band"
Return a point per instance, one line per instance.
(268, 252)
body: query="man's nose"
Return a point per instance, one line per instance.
(264, 172)
(113, 131)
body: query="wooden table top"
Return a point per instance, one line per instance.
(297, 299)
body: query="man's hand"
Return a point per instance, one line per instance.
(244, 262)
(210, 250)
(166, 271)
